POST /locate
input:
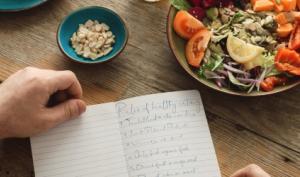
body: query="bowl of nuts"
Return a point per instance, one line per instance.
(92, 35)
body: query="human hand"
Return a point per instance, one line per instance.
(24, 101)
(251, 171)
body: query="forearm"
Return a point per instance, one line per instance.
(3, 131)
(3, 127)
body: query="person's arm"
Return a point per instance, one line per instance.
(24, 101)
(251, 171)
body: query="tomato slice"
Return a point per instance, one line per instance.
(196, 46)
(185, 25)
(269, 83)
(288, 60)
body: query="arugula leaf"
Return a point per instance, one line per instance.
(237, 17)
(217, 62)
(214, 62)
(205, 67)
(180, 4)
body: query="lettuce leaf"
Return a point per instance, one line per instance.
(180, 4)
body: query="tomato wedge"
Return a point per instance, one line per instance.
(288, 60)
(185, 25)
(196, 46)
(269, 83)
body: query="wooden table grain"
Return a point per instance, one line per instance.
(263, 130)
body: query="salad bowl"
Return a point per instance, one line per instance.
(178, 47)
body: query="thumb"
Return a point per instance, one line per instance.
(251, 170)
(67, 110)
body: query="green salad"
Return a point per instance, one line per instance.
(237, 44)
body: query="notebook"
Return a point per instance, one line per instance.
(159, 135)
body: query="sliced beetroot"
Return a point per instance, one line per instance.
(197, 12)
(225, 3)
(209, 3)
(195, 3)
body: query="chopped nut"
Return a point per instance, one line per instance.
(93, 40)
(98, 27)
(89, 23)
(106, 51)
(105, 27)
(109, 34)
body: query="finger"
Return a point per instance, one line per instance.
(251, 171)
(61, 96)
(67, 110)
(65, 81)
(240, 173)
(57, 98)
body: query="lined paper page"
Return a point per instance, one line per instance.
(167, 135)
(90, 146)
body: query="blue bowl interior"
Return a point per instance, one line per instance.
(13, 5)
(71, 23)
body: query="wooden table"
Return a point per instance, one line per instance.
(264, 130)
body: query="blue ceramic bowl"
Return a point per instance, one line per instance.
(18, 5)
(71, 23)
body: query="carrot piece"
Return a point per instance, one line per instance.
(294, 42)
(287, 17)
(278, 7)
(263, 5)
(253, 2)
(296, 14)
(281, 19)
(285, 30)
(289, 5)
(298, 4)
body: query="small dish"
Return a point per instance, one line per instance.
(71, 23)
(19, 5)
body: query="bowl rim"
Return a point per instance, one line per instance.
(253, 94)
(92, 62)
(25, 8)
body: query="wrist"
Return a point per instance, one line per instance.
(3, 128)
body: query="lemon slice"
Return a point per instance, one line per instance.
(242, 52)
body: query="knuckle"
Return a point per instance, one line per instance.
(71, 110)
(253, 168)
(67, 110)
(70, 74)
(28, 69)
(34, 85)
(36, 80)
